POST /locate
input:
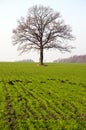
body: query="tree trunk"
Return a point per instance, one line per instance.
(41, 56)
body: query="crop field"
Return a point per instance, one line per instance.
(51, 97)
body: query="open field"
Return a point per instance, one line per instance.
(49, 97)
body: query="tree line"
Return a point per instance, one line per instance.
(73, 59)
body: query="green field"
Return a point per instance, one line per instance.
(51, 97)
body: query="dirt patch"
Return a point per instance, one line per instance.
(42, 82)
(11, 82)
(51, 79)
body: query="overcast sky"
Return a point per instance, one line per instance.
(72, 11)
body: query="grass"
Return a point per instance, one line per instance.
(49, 97)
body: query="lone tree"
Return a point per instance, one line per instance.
(42, 29)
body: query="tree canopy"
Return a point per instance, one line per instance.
(42, 28)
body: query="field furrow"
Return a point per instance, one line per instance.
(50, 97)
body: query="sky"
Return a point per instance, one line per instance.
(72, 11)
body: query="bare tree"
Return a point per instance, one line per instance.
(42, 29)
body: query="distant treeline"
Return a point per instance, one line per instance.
(26, 60)
(73, 59)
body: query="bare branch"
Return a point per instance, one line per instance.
(42, 29)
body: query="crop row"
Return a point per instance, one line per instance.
(34, 105)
